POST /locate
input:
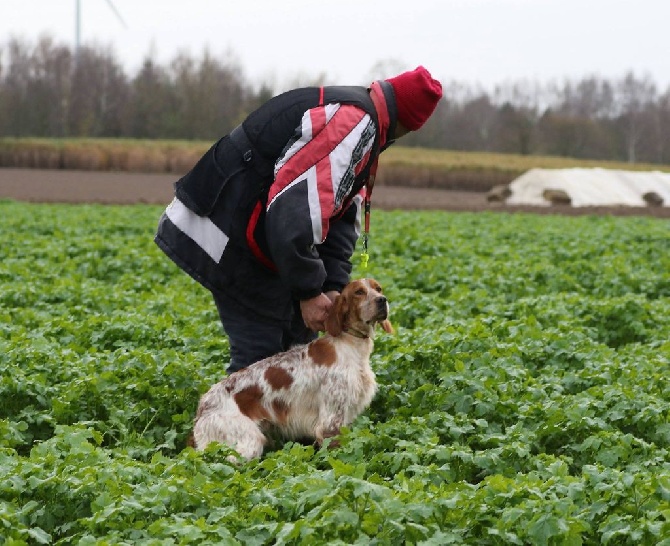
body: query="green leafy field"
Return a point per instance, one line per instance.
(523, 400)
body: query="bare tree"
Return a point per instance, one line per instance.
(209, 95)
(663, 129)
(151, 101)
(634, 96)
(53, 68)
(590, 98)
(16, 115)
(384, 69)
(99, 90)
(572, 136)
(514, 133)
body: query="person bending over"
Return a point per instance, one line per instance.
(268, 218)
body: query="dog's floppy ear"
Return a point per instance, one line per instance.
(386, 326)
(337, 316)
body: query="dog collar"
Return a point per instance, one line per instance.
(356, 333)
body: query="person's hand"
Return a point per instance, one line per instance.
(332, 295)
(314, 312)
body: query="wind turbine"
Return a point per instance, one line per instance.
(77, 37)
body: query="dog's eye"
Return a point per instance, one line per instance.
(360, 292)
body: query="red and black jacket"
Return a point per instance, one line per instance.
(272, 211)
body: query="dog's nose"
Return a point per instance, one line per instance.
(382, 307)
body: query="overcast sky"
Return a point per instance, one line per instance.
(471, 41)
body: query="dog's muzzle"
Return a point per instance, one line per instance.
(382, 308)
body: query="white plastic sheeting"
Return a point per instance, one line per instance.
(590, 187)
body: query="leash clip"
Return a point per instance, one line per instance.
(365, 257)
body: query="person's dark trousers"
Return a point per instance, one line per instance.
(253, 340)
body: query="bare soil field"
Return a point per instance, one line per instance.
(64, 186)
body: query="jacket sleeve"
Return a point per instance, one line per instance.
(313, 177)
(337, 249)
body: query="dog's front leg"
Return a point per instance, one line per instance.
(331, 419)
(329, 430)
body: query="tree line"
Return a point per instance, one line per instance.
(48, 91)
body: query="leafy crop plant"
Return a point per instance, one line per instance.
(523, 400)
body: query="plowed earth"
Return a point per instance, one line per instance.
(60, 186)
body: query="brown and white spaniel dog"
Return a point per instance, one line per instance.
(309, 391)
